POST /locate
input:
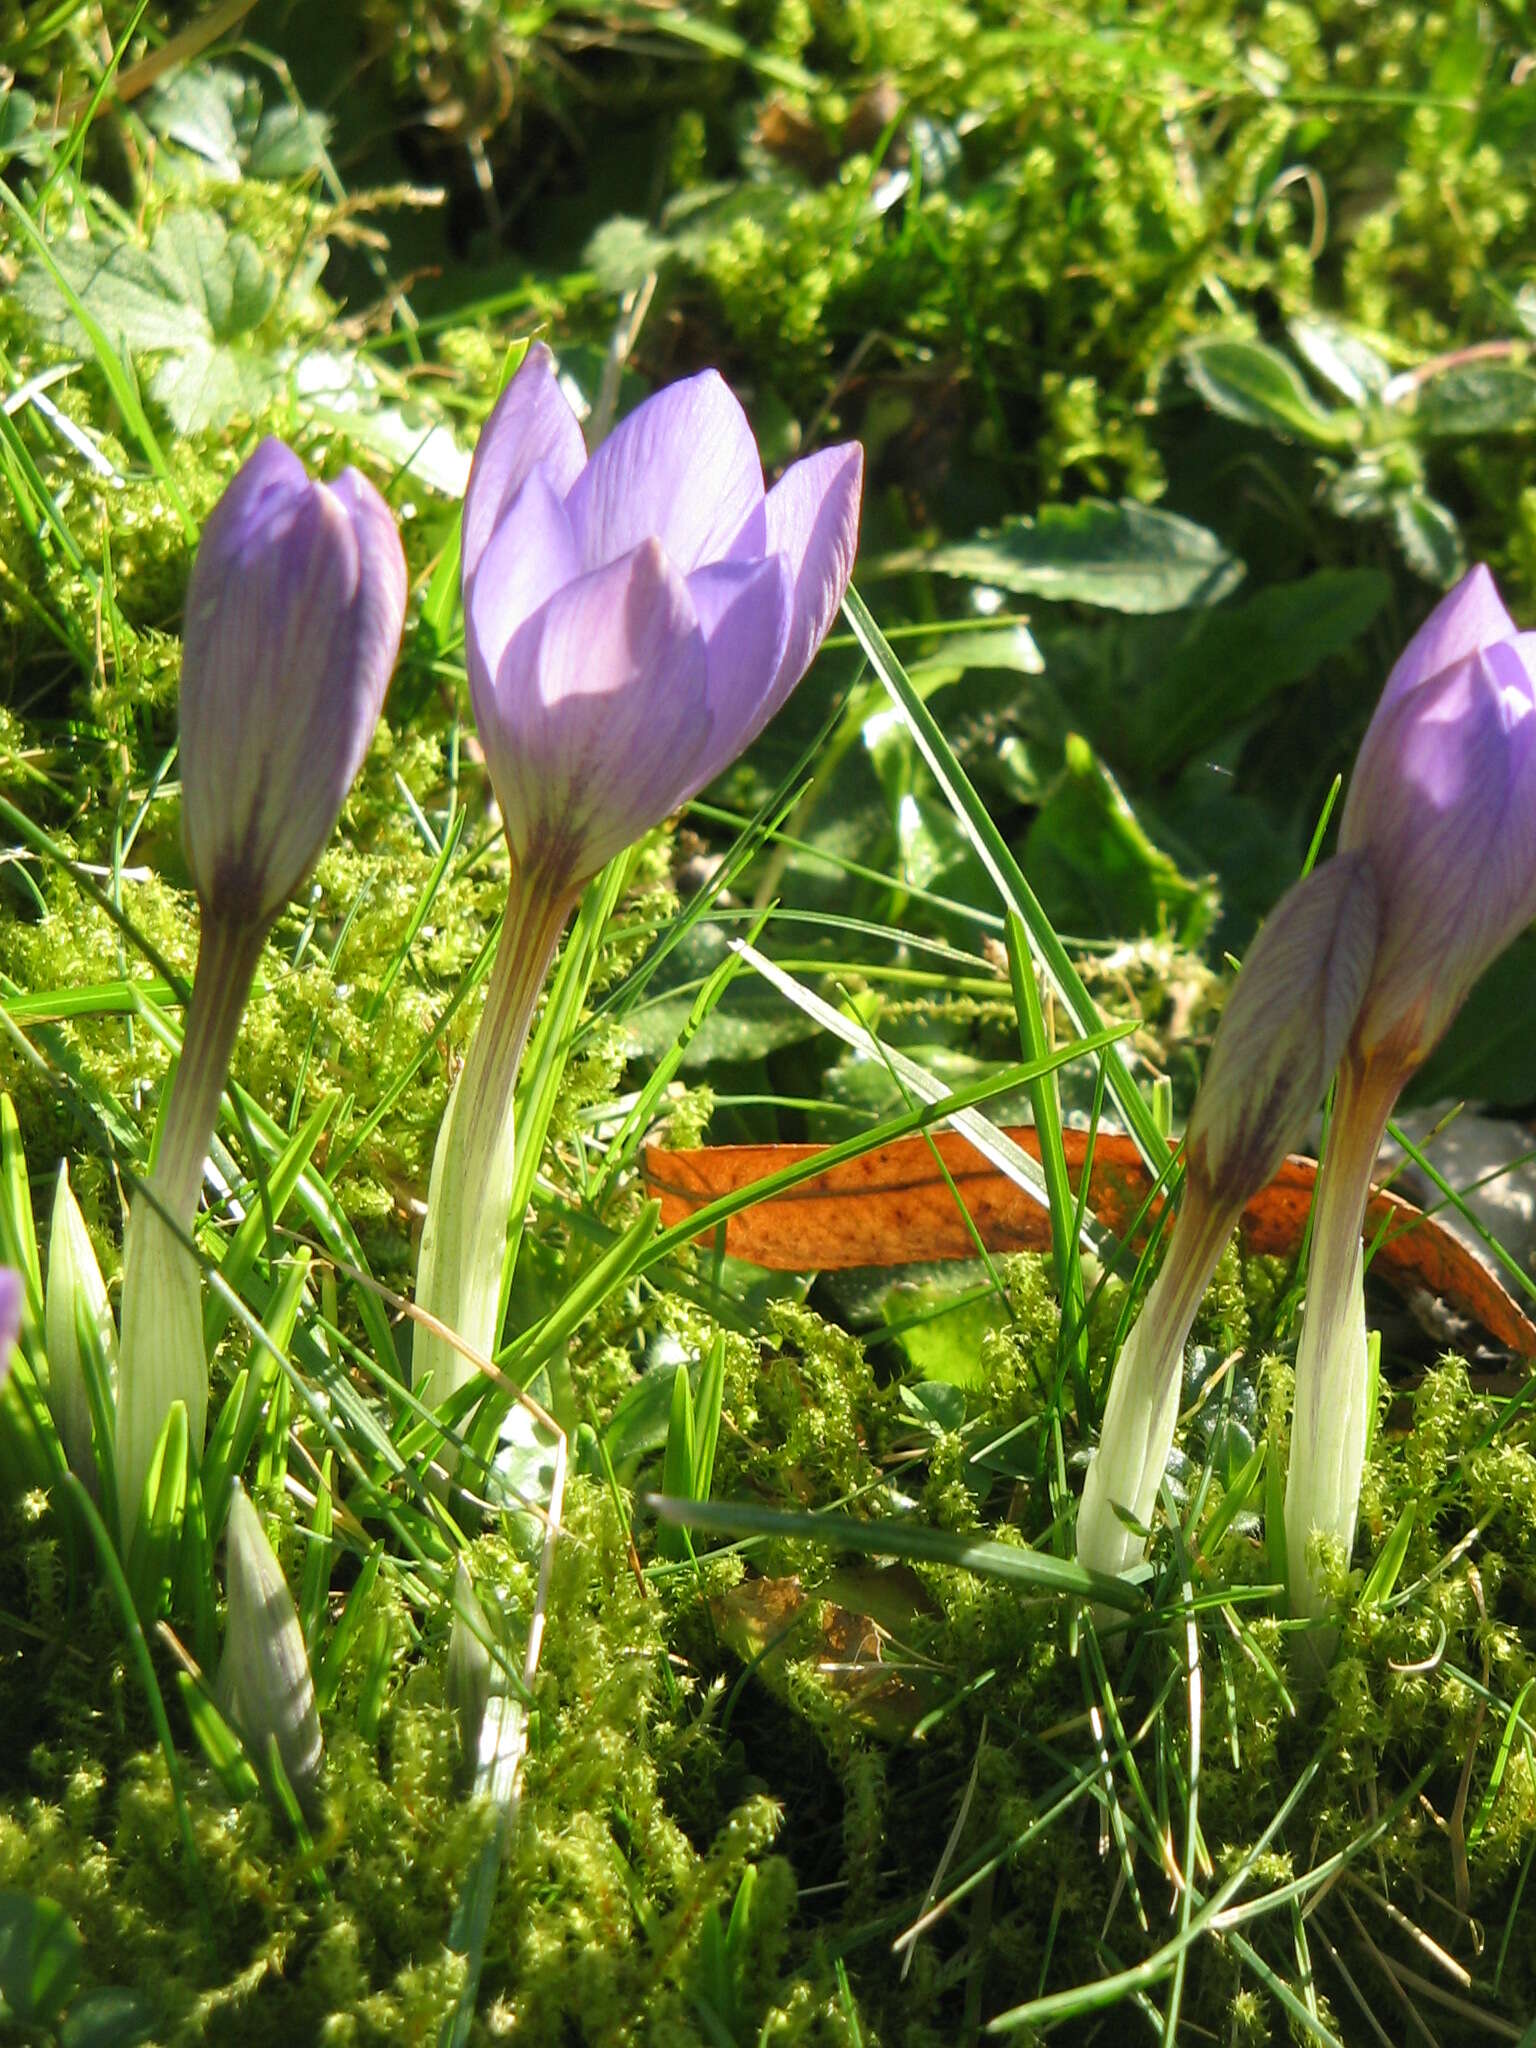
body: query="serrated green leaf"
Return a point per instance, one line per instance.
(1354, 369)
(1125, 557)
(1247, 381)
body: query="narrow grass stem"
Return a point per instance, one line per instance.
(1331, 1420)
(161, 1359)
(1143, 1405)
(469, 1199)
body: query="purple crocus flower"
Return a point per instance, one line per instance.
(1442, 805)
(10, 1318)
(293, 619)
(633, 620)
(1282, 1030)
(293, 623)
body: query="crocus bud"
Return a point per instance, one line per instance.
(265, 1687)
(74, 1302)
(1443, 804)
(293, 622)
(468, 1679)
(632, 622)
(1283, 1029)
(1279, 1039)
(10, 1318)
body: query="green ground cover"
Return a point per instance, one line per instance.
(1190, 351)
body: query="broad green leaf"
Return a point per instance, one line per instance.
(1429, 537)
(1354, 369)
(1096, 870)
(39, 1958)
(1126, 557)
(112, 2016)
(1232, 661)
(1247, 381)
(1477, 398)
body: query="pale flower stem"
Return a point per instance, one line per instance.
(160, 1356)
(1330, 1421)
(1143, 1406)
(464, 1241)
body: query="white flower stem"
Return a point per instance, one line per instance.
(1330, 1423)
(464, 1241)
(1143, 1405)
(160, 1353)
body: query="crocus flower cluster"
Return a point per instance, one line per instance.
(1281, 1033)
(633, 620)
(293, 621)
(1442, 808)
(1360, 970)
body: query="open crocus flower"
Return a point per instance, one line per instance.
(1442, 805)
(1280, 1035)
(293, 620)
(633, 621)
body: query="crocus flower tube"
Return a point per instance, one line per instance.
(293, 620)
(1442, 805)
(633, 620)
(1279, 1038)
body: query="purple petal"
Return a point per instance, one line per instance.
(599, 715)
(744, 611)
(1467, 618)
(293, 620)
(684, 468)
(1444, 802)
(531, 553)
(10, 1317)
(532, 426)
(813, 518)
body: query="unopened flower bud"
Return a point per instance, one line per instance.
(468, 1679)
(75, 1306)
(265, 1686)
(1443, 804)
(1283, 1029)
(293, 622)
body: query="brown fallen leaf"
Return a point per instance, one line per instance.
(892, 1207)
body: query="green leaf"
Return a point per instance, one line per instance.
(1429, 537)
(192, 293)
(109, 2017)
(1476, 398)
(1232, 661)
(39, 1958)
(1126, 557)
(1247, 381)
(219, 1743)
(887, 1536)
(1097, 872)
(1354, 369)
